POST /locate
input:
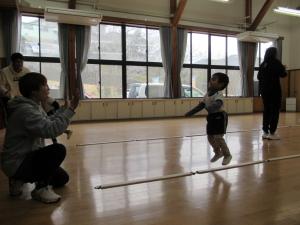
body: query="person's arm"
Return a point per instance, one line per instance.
(40, 125)
(196, 109)
(282, 70)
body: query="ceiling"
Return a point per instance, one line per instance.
(230, 14)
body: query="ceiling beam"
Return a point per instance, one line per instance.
(261, 15)
(178, 13)
(248, 11)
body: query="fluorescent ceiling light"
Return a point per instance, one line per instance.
(72, 16)
(287, 11)
(255, 36)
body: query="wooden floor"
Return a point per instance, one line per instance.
(109, 152)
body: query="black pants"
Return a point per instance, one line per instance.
(43, 166)
(271, 112)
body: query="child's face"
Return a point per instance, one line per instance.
(214, 83)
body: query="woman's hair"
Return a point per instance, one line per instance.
(271, 53)
(222, 78)
(31, 82)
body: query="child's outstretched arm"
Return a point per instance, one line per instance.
(196, 109)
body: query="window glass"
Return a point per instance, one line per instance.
(32, 66)
(90, 80)
(199, 48)
(156, 79)
(136, 82)
(49, 39)
(135, 44)
(111, 81)
(29, 43)
(110, 42)
(186, 82)
(154, 53)
(94, 45)
(232, 52)
(235, 83)
(52, 71)
(218, 50)
(199, 82)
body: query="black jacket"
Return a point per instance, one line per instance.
(269, 78)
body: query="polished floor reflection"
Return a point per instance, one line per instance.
(109, 152)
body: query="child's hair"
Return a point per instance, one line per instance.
(31, 82)
(223, 79)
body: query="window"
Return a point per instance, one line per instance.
(39, 45)
(205, 55)
(122, 59)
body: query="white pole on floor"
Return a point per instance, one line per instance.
(144, 180)
(106, 186)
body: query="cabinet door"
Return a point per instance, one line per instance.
(182, 106)
(124, 109)
(159, 109)
(148, 109)
(136, 109)
(240, 105)
(170, 107)
(248, 105)
(98, 110)
(111, 110)
(83, 111)
(231, 105)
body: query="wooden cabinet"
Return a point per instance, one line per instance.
(170, 108)
(146, 108)
(182, 106)
(83, 111)
(104, 110)
(129, 109)
(153, 108)
(238, 105)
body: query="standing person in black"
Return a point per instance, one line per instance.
(269, 74)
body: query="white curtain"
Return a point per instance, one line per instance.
(63, 53)
(83, 40)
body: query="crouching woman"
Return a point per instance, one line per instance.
(25, 158)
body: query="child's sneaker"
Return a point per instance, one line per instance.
(265, 135)
(216, 157)
(69, 134)
(45, 195)
(15, 187)
(226, 159)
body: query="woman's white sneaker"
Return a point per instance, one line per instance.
(45, 195)
(274, 137)
(265, 135)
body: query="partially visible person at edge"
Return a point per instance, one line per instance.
(25, 158)
(269, 74)
(10, 75)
